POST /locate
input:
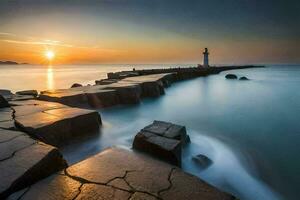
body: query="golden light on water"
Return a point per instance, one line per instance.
(50, 78)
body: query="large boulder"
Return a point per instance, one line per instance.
(164, 148)
(3, 102)
(28, 92)
(163, 140)
(231, 76)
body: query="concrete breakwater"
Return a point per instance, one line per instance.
(128, 87)
(31, 129)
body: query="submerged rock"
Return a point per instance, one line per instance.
(202, 160)
(231, 76)
(28, 92)
(76, 85)
(3, 102)
(243, 78)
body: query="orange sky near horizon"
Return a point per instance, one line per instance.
(169, 50)
(115, 32)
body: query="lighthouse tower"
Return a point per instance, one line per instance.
(205, 58)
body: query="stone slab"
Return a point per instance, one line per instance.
(54, 123)
(163, 140)
(24, 161)
(122, 174)
(164, 148)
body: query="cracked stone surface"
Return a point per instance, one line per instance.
(7, 135)
(23, 161)
(54, 123)
(122, 174)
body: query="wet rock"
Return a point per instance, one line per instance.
(169, 130)
(76, 85)
(158, 146)
(28, 92)
(243, 78)
(202, 160)
(231, 76)
(3, 102)
(24, 161)
(163, 140)
(121, 174)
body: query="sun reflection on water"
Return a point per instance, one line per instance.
(50, 79)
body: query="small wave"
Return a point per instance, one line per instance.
(226, 171)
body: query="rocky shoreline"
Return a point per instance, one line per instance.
(33, 127)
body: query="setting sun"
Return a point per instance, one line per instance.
(50, 55)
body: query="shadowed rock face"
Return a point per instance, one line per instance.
(54, 123)
(121, 174)
(163, 140)
(111, 92)
(23, 161)
(28, 92)
(231, 76)
(3, 102)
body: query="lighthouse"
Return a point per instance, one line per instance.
(205, 58)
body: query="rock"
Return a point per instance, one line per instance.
(24, 161)
(231, 76)
(3, 102)
(76, 85)
(121, 174)
(6, 93)
(161, 147)
(243, 78)
(163, 140)
(54, 123)
(28, 92)
(169, 130)
(202, 160)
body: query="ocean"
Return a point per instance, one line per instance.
(249, 129)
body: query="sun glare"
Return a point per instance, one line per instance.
(50, 55)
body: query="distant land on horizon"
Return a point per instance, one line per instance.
(11, 63)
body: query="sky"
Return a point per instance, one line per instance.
(150, 31)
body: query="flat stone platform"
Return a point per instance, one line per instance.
(127, 87)
(23, 161)
(126, 91)
(53, 123)
(121, 174)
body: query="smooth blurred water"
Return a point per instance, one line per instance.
(248, 128)
(39, 77)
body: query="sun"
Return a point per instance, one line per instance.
(49, 55)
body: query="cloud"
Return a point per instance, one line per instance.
(29, 40)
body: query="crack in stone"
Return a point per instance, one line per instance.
(170, 182)
(79, 191)
(12, 138)
(132, 191)
(141, 191)
(13, 154)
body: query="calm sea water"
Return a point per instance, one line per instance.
(248, 128)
